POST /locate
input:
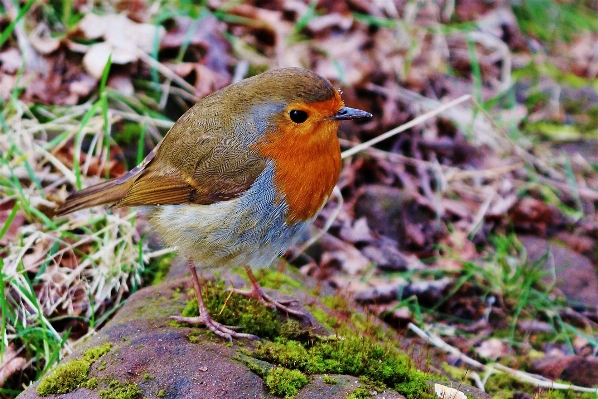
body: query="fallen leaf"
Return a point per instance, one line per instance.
(41, 40)
(12, 363)
(347, 256)
(492, 349)
(123, 39)
(444, 392)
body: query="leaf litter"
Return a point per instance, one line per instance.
(430, 216)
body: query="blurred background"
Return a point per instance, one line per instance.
(478, 225)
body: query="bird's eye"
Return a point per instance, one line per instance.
(298, 116)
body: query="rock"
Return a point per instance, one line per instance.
(575, 274)
(142, 353)
(382, 207)
(578, 370)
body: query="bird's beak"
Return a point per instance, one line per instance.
(350, 113)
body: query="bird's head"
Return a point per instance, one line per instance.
(297, 114)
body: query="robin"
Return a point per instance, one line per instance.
(238, 178)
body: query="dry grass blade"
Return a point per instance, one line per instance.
(408, 125)
(517, 374)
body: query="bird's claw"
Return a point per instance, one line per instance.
(259, 294)
(224, 331)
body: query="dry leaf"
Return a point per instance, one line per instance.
(123, 39)
(492, 349)
(444, 392)
(348, 257)
(11, 363)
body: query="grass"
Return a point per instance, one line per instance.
(51, 267)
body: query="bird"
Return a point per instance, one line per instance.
(238, 178)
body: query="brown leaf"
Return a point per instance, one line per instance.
(12, 363)
(123, 39)
(359, 231)
(347, 256)
(41, 40)
(10, 60)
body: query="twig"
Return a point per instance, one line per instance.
(405, 126)
(519, 375)
(165, 71)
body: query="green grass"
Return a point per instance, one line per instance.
(552, 21)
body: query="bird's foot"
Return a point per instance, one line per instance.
(258, 293)
(224, 331)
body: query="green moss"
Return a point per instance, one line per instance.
(161, 393)
(284, 382)
(360, 393)
(336, 302)
(382, 365)
(93, 354)
(291, 329)
(269, 278)
(503, 386)
(65, 378)
(73, 374)
(256, 366)
(251, 316)
(91, 383)
(177, 293)
(371, 384)
(194, 337)
(326, 320)
(119, 390)
(329, 380)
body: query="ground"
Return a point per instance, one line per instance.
(472, 227)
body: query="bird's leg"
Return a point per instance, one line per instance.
(257, 292)
(219, 329)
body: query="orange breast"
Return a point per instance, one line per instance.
(307, 160)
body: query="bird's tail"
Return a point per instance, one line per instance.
(107, 192)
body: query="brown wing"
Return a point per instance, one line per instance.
(199, 161)
(165, 184)
(213, 169)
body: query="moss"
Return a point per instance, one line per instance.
(91, 383)
(120, 390)
(329, 380)
(251, 316)
(65, 378)
(256, 366)
(382, 364)
(336, 302)
(269, 278)
(177, 293)
(291, 329)
(147, 377)
(371, 384)
(161, 393)
(93, 354)
(73, 374)
(327, 321)
(360, 393)
(284, 382)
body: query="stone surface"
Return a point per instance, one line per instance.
(171, 361)
(578, 370)
(575, 274)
